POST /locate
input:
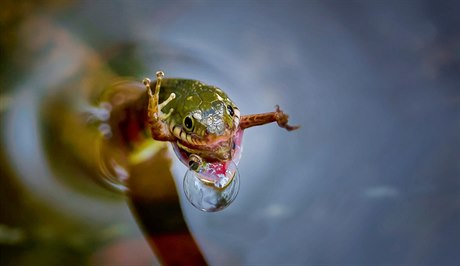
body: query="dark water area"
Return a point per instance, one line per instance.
(371, 178)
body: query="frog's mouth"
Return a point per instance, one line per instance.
(220, 150)
(206, 142)
(212, 171)
(213, 144)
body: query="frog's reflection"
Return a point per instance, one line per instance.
(155, 201)
(146, 177)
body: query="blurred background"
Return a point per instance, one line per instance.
(372, 177)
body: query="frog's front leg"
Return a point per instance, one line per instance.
(261, 119)
(156, 119)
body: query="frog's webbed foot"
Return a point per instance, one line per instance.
(282, 119)
(278, 116)
(155, 117)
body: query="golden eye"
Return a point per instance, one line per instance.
(188, 122)
(230, 110)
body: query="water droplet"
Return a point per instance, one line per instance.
(214, 187)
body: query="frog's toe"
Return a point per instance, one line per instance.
(282, 119)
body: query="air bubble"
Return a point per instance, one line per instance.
(214, 187)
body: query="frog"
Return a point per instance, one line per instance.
(202, 123)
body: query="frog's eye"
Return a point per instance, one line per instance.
(230, 110)
(188, 122)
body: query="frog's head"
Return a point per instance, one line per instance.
(206, 123)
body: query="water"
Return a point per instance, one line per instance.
(371, 178)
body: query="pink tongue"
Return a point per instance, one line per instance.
(218, 168)
(220, 174)
(216, 172)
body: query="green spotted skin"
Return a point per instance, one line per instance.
(199, 110)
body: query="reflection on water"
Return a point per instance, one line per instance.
(372, 178)
(105, 133)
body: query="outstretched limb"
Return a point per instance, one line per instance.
(278, 116)
(156, 119)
